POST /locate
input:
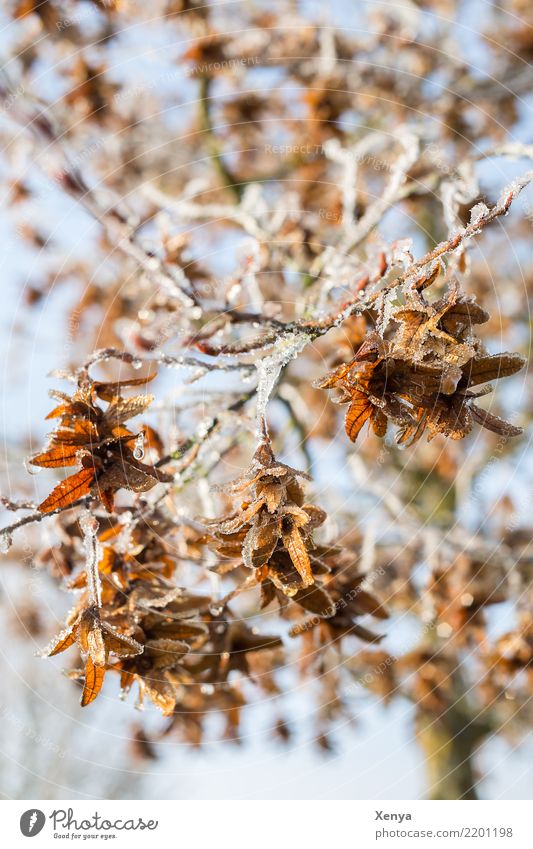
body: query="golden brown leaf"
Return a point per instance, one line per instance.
(358, 413)
(294, 544)
(96, 646)
(122, 409)
(94, 678)
(63, 642)
(68, 491)
(162, 693)
(63, 455)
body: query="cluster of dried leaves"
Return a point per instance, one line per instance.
(182, 647)
(97, 439)
(424, 374)
(272, 529)
(139, 624)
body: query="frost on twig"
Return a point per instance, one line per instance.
(245, 214)
(89, 525)
(454, 193)
(375, 211)
(200, 367)
(269, 369)
(481, 219)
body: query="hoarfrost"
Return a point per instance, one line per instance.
(89, 526)
(386, 303)
(478, 213)
(6, 541)
(269, 369)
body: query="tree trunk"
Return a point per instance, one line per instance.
(449, 742)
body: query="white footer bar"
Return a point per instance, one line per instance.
(268, 824)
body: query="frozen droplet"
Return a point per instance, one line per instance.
(136, 364)
(6, 541)
(220, 629)
(207, 689)
(216, 609)
(138, 451)
(32, 470)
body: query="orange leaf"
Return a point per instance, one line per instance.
(94, 678)
(59, 411)
(379, 423)
(110, 533)
(63, 641)
(82, 432)
(358, 413)
(79, 581)
(153, 441)
(162, 693)
(68, 491)
(294, 544)
(63, 455)
(71, 409)
(122, 409)
(107, 561)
